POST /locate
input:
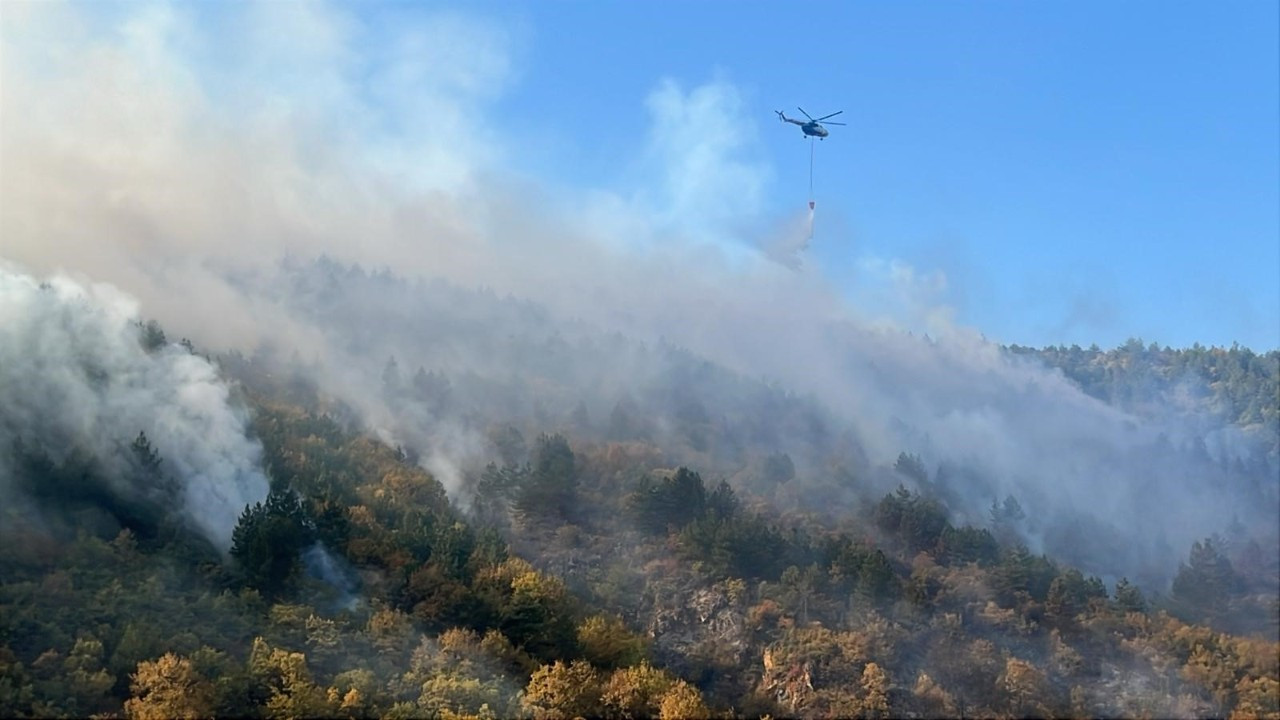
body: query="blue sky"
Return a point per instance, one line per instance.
(1080, 171)
(1048, 172)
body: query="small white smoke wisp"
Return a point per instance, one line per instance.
(322, 565)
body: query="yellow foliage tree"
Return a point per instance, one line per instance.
(1257, 698)
(606, 642)
(561, 692)
(683, 702)
(637, 691)
(169, 688)
(293, 693)
(390, 631)
(875, 691)
(1025, 686)
(448, 692)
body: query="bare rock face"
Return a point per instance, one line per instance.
(701, 633)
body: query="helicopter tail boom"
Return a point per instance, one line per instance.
(782, 117)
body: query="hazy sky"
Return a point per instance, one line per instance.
(1048, 172)
(1079, 171)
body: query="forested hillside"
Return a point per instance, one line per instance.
(448, 360)
(588, 569)
(1234, 384)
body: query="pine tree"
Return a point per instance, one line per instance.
(268, 541)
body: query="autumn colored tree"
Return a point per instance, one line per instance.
(452, 692)
(390, 632)
(169, 688)
(534, 610)
(607, 643)
(538, 616)
(874, 702)
(292, 692)
(636, 692)
(1026, 687)
(683, 702)
(562, 691)
(1257, 697)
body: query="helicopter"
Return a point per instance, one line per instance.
(812, 128)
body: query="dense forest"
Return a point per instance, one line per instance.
(600, 564)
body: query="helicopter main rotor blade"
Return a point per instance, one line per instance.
(824, 117)
(834, 123)
(805, 113)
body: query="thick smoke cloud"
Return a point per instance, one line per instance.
(143, 151)
(75, 376)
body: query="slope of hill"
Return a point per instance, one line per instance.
(437, 369)
(667, 561)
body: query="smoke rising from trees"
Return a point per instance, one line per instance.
(199, 171)
(77, 376)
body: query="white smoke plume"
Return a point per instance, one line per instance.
(141, 150)
(74, 375)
